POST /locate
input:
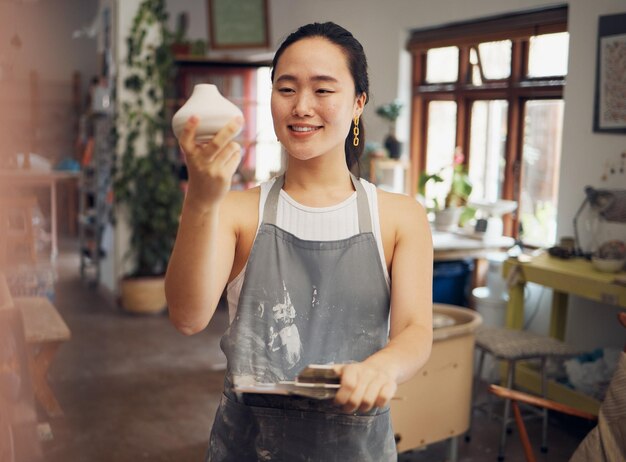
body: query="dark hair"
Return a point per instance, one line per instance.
(357, 64)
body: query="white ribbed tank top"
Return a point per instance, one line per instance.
(332, 223)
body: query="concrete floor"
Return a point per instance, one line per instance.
(132, 388)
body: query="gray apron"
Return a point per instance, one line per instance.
(303, 302)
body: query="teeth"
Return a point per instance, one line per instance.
(303, 129)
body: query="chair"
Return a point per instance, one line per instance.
(607, 441)
(16, 228)
(511, 346)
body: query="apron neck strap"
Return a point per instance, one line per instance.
(270, 209)
(363, 207)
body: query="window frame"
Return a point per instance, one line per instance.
(516, 89)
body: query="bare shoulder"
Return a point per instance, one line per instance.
(240, 212)
(401, 211)
(243, 198)
(241, 208)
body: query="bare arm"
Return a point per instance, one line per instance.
(411, 297)
(205, 244)
(374, 381)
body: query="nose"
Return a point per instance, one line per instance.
(303, 104)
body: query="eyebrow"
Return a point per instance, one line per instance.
(315, 78)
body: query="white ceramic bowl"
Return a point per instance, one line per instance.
(494, 209)
(608, 265)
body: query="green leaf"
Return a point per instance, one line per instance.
(424, 179)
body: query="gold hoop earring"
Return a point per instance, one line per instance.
(355, 132)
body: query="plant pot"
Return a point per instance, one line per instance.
(212, 109)
(393, 146)
(181, 48)
(143, 295)
(447, 219)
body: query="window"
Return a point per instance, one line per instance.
(268, 150)
(440, 144)
(494, 88)
(487, 148)
(442, 64)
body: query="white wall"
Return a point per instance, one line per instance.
(45, 29)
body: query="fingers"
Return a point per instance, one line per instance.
(363, 388)
(231, 157)
(371, 397)
(186, 140)
(217, 143)
(349, 391)
(226, 134)
(386, 394)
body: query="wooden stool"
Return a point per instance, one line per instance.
(16, 228)
(44, 331)
(513, 345)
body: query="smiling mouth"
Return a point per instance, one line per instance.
(301, 129)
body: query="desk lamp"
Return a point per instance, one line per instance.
(608, 204)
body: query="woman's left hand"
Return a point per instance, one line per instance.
(364, 386)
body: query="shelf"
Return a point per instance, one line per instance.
(94, 208)
(203, 61)
(87, 221)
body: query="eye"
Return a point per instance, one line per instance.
(324, 91)
(285, 90)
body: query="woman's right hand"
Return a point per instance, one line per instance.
(210, 165)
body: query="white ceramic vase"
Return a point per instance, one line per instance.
(212, 109)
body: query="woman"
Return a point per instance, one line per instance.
(308, 259)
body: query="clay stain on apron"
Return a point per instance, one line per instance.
(286, 335)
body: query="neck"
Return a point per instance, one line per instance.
(324, 180)
(317, 174)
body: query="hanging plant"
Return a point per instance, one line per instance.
(145, 179)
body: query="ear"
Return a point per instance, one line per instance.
(359, 104)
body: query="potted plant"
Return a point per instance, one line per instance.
(146, 186)
(454, 209)
(180, 44)
(390, 112)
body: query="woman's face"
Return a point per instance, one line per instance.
(313, 99)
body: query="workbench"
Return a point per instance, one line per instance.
(574, 276)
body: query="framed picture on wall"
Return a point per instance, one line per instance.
(235, 24)
(609, 103)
